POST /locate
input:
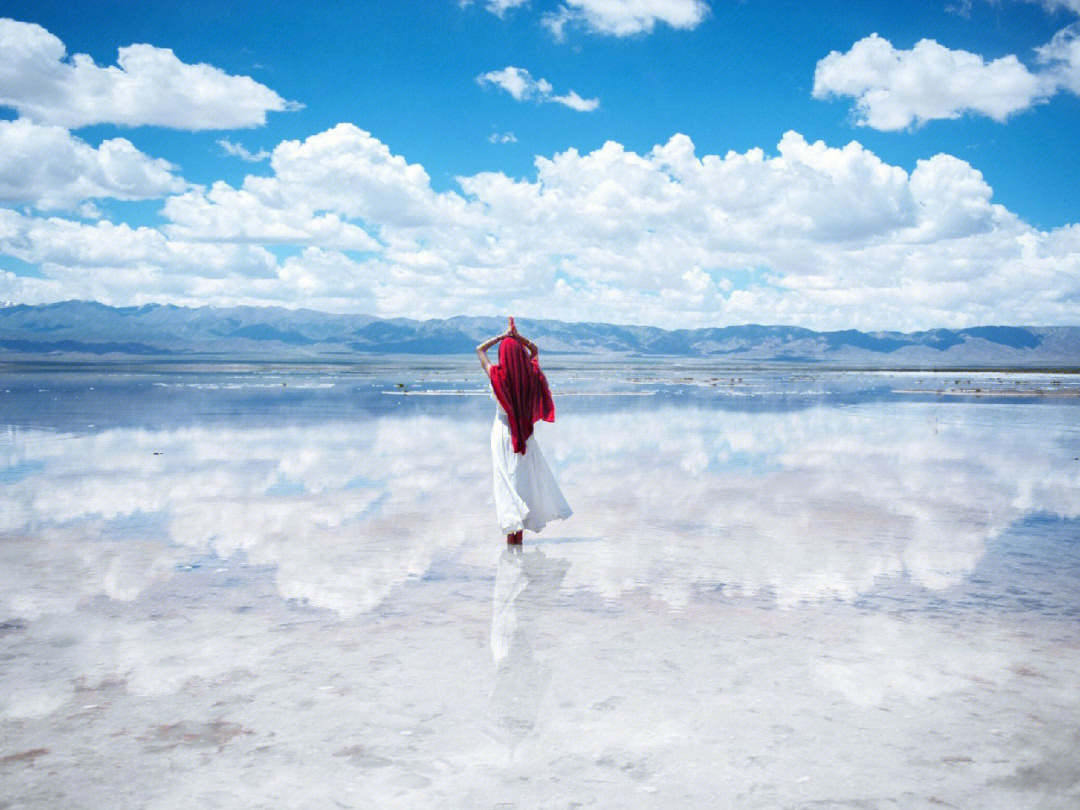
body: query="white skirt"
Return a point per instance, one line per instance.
(526, 493)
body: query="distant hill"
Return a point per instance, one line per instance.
(79, 330)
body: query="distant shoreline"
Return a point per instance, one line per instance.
(556, 360)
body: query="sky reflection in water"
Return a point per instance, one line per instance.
(220, 564)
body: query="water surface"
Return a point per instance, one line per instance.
(267, 586)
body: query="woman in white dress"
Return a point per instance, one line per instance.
(526, 493)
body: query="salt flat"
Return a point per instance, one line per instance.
(781, 588)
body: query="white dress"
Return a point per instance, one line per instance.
(526, 493)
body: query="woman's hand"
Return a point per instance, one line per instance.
(512, 332)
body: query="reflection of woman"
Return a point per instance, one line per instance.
(526, 494)
(525, 584)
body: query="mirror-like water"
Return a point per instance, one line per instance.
(781, 587)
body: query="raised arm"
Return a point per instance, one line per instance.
(481, 350)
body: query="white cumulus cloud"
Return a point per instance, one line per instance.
(623, 18)
(520, 84)
(1061, 55)
(147, 86)
(896, 88)
(516, 81)
(576, 102)
(49, 168)
(224, 214)
(318, 186)
(811, 234)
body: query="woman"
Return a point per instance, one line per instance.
(526, 494)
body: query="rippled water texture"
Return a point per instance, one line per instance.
(781, 588)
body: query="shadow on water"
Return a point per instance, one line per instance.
(526, 583)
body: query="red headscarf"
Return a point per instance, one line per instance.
(522, 390)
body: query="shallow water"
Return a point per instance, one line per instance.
(277, 586)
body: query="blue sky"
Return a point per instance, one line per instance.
(677, 162)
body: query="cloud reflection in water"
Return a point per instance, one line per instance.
(815, 503)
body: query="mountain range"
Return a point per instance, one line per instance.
(85, 330)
